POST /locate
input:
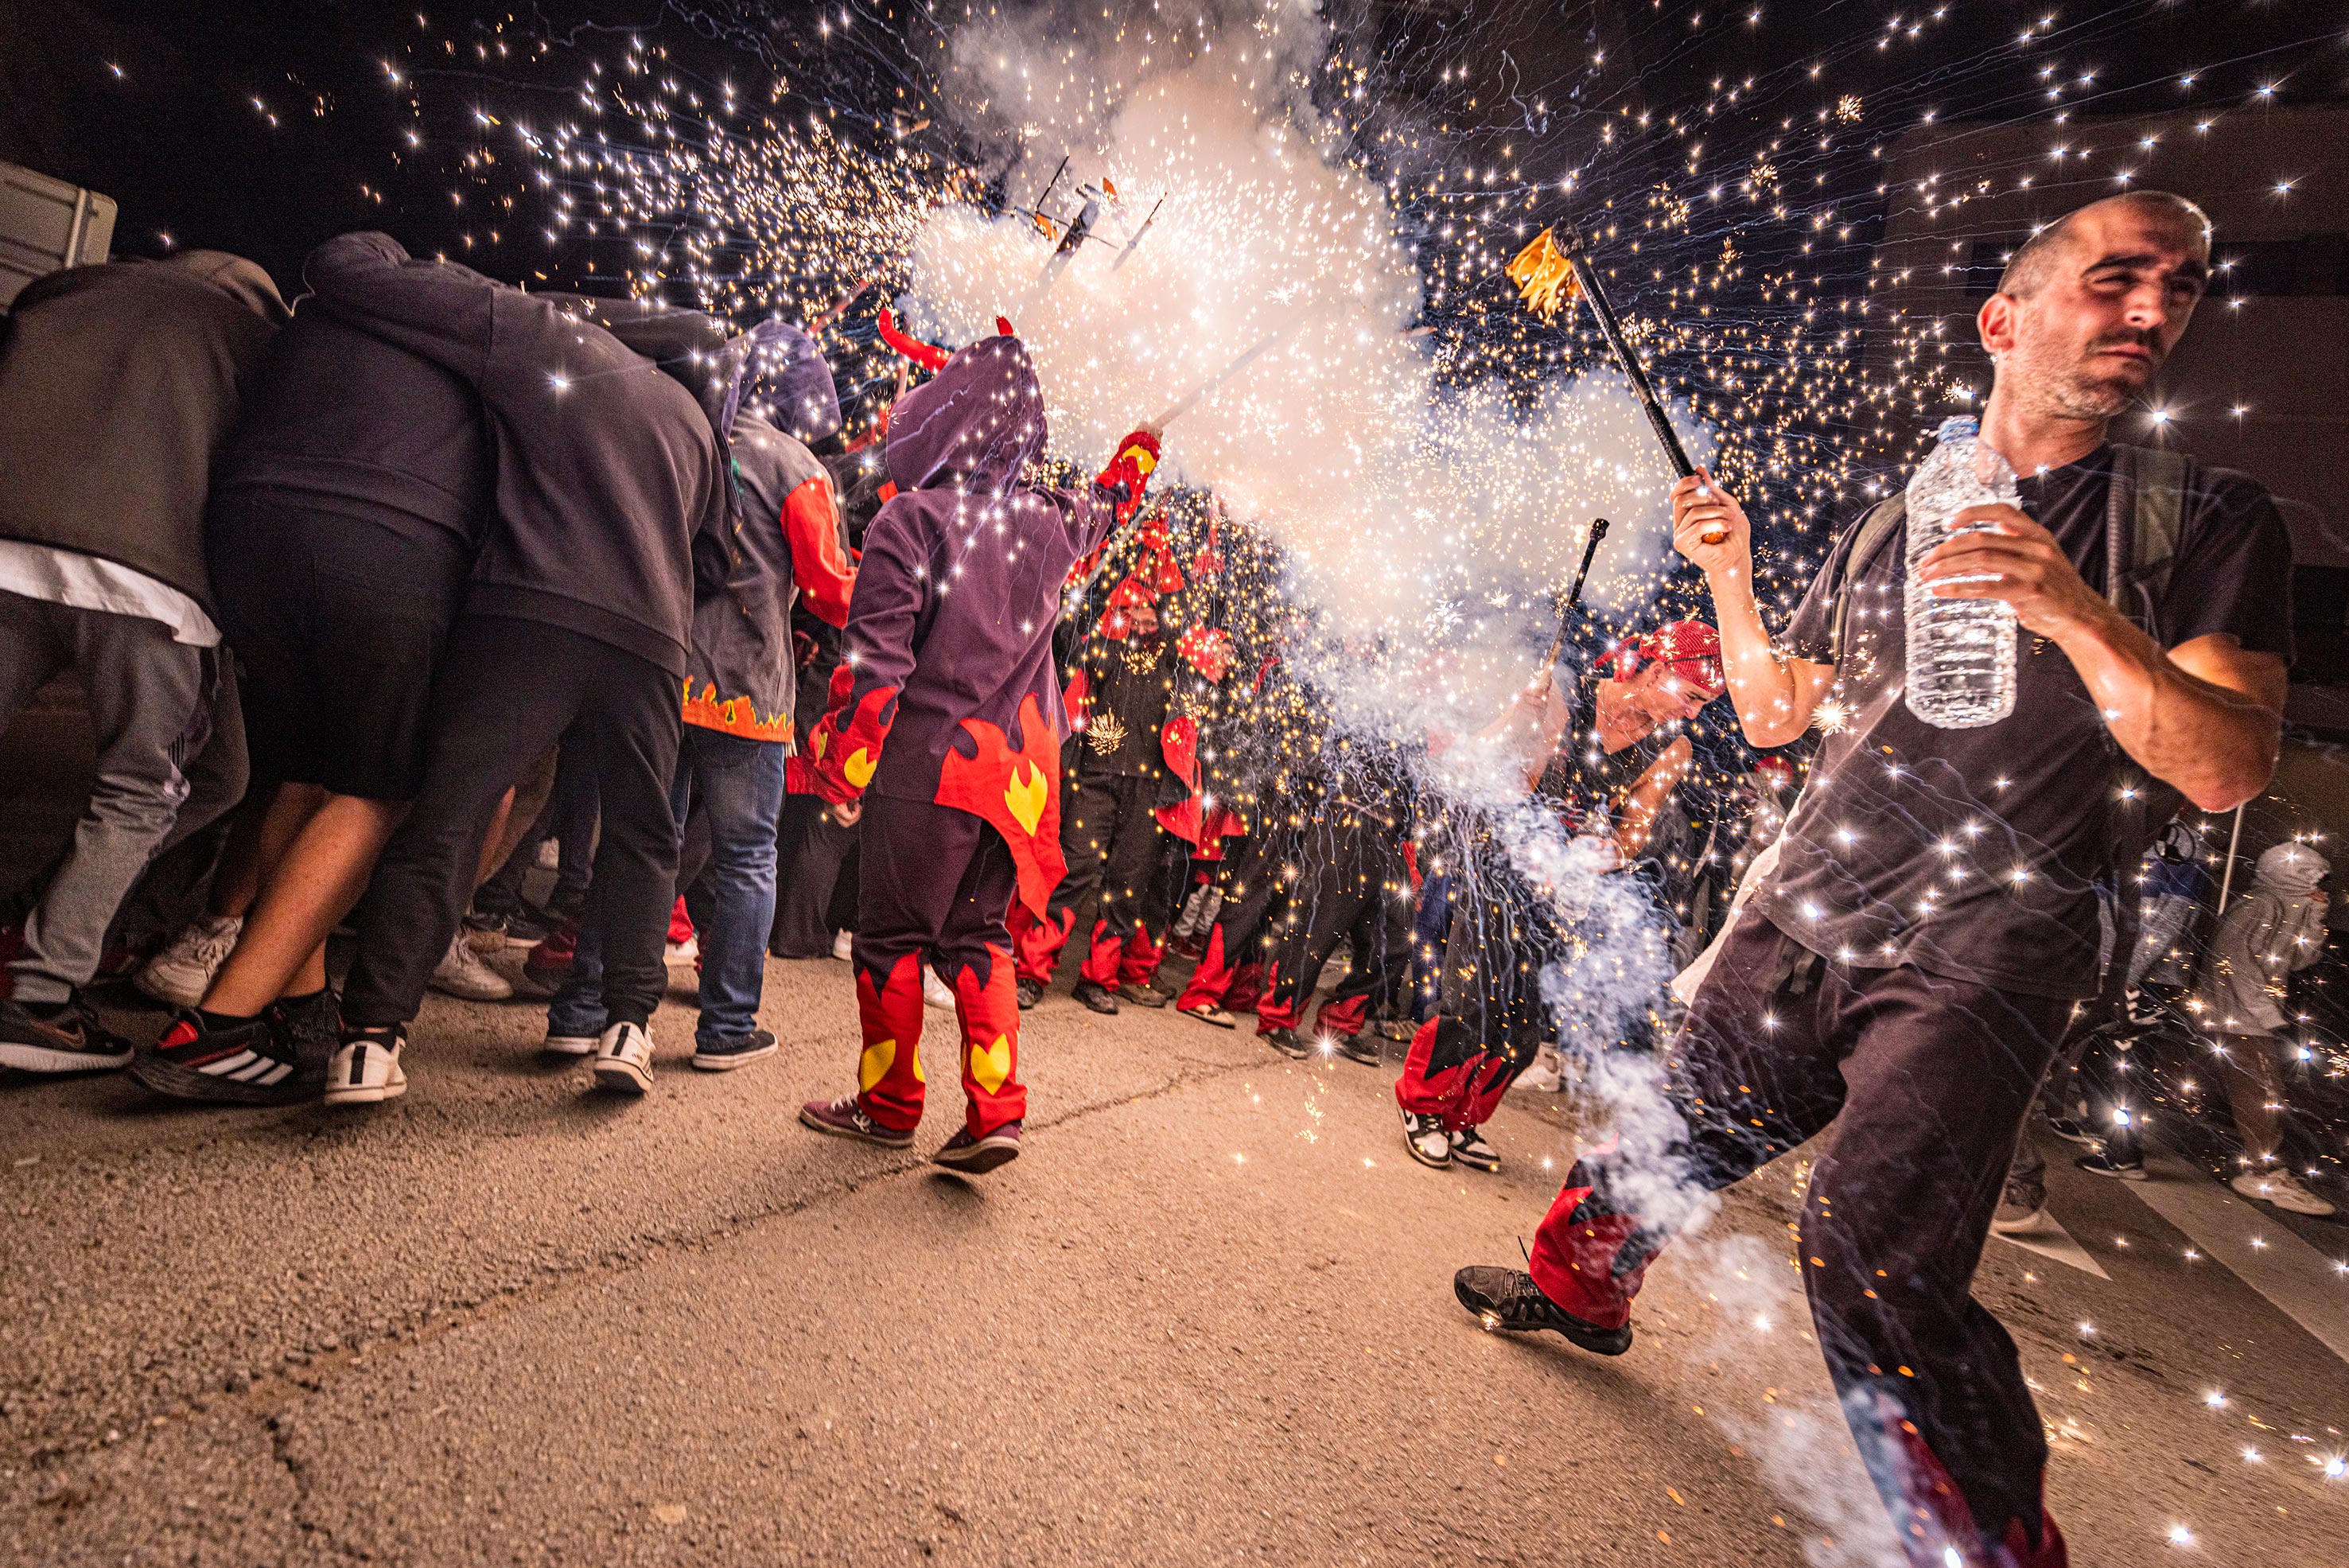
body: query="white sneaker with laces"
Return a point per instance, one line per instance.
(1541, 1075)
(843, 945)
(1426, 1137)
(568, 1045)
(462, 973)
(683, 952)
(935, 992)
(623, 1059)
(184, 971)
(2282, 1190)
(367, 1071)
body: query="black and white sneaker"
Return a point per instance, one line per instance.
(68, 1039)
(257, 1062)
(1288, 1042)
(2103, 1163)
(1031, 993)
(623, 1059)
(1507, 1301)
(1426, 1137)
(365, 1069)
(1469, 1148)
(1366, 1048)
(740, 1052)
(568, 1045)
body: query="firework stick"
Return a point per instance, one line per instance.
(815, 328)
(1574, 594)
(1198, 394)
(1586, 277)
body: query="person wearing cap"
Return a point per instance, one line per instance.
(2239, 997)
(1610, 757)
(119, 384)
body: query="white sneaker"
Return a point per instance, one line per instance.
(842, 944)
(935, 992)
(683, 952)
(184, 971)
(462, 973)
(2283, 1191)
(367, 1071)
(623, 1059)
(1541, 1075)
(568, 1045)
(1426, 1137)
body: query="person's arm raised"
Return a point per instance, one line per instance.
(1775, 696)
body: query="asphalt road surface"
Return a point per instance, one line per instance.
(1205, 1318)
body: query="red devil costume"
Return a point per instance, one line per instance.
(946, 716)
(1502, 934)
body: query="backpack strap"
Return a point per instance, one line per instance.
(2143, 523)
(1875, 527)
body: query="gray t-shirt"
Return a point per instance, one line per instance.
(1973, 853)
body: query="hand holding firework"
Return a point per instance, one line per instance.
(1710, 527)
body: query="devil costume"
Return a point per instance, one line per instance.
(946, 716)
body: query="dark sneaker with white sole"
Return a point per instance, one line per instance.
(1366, 1048)
(1096, 995)
(978, 1156)
(257, 1062)
(1507, 1301)
(68, 1038)
(844, 1117)
(1288, 1042)
(740, 1052)
(2103, 1163)
(1469, 1148)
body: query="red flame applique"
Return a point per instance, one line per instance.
(1017, 791)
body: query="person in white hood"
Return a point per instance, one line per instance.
(2239, 998)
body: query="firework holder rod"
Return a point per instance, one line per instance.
(1574, 594)
(1612, 328)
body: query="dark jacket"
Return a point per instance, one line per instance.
(119, 383)
(607, 468)
(345, 421)
(785, 542)
(950, 633)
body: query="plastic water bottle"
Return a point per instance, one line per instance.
(1960, 651)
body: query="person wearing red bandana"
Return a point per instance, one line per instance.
(1610, 759)
(946, 719)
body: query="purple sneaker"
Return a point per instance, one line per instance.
(978, 1156)
(843, 1118)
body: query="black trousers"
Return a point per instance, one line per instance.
(506, 690)
(1351, 887)
(816, 889)
(1918, 1085)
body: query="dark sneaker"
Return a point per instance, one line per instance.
(1095, 996)
(259, 1062)
(1208, 1013)
(1288, 1042)
(1401, 1029)
(1141, 993)
(1365, 1048)
(70, 1040)
(2102, 1163)
(1507, 1301)
(978, 1156)
(740, 1052)
(522, 928)
(1426, 1137)
(2022, 1204)
(843, 1118)
(1469, 1148)
(1031, 991)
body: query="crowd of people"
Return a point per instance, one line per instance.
(382, 601)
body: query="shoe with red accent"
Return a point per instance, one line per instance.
(257, 1062)
(978, 1156)
(1509, 1301)
(844, 1117)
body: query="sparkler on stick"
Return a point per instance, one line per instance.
(1549, 277)
(1574, 594)
(1198, 394)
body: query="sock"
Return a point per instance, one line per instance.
(46, 1010)
(213, 1021)
(304, 1000)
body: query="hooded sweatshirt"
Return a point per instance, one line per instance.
(2266, 934)
(119, 383)
(949, 636)
(606, 470)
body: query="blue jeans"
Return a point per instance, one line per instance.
(739, 785)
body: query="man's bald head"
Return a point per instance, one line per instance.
(2035, 261)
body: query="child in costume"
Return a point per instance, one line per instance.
(946, 717)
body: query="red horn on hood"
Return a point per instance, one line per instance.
(929, 355)
(1003, 327)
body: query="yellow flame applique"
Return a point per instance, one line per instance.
(990, 1064)
(817, 741)
(1545, 278)
(874, 1065)
(1025, 794)
(858, 769)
